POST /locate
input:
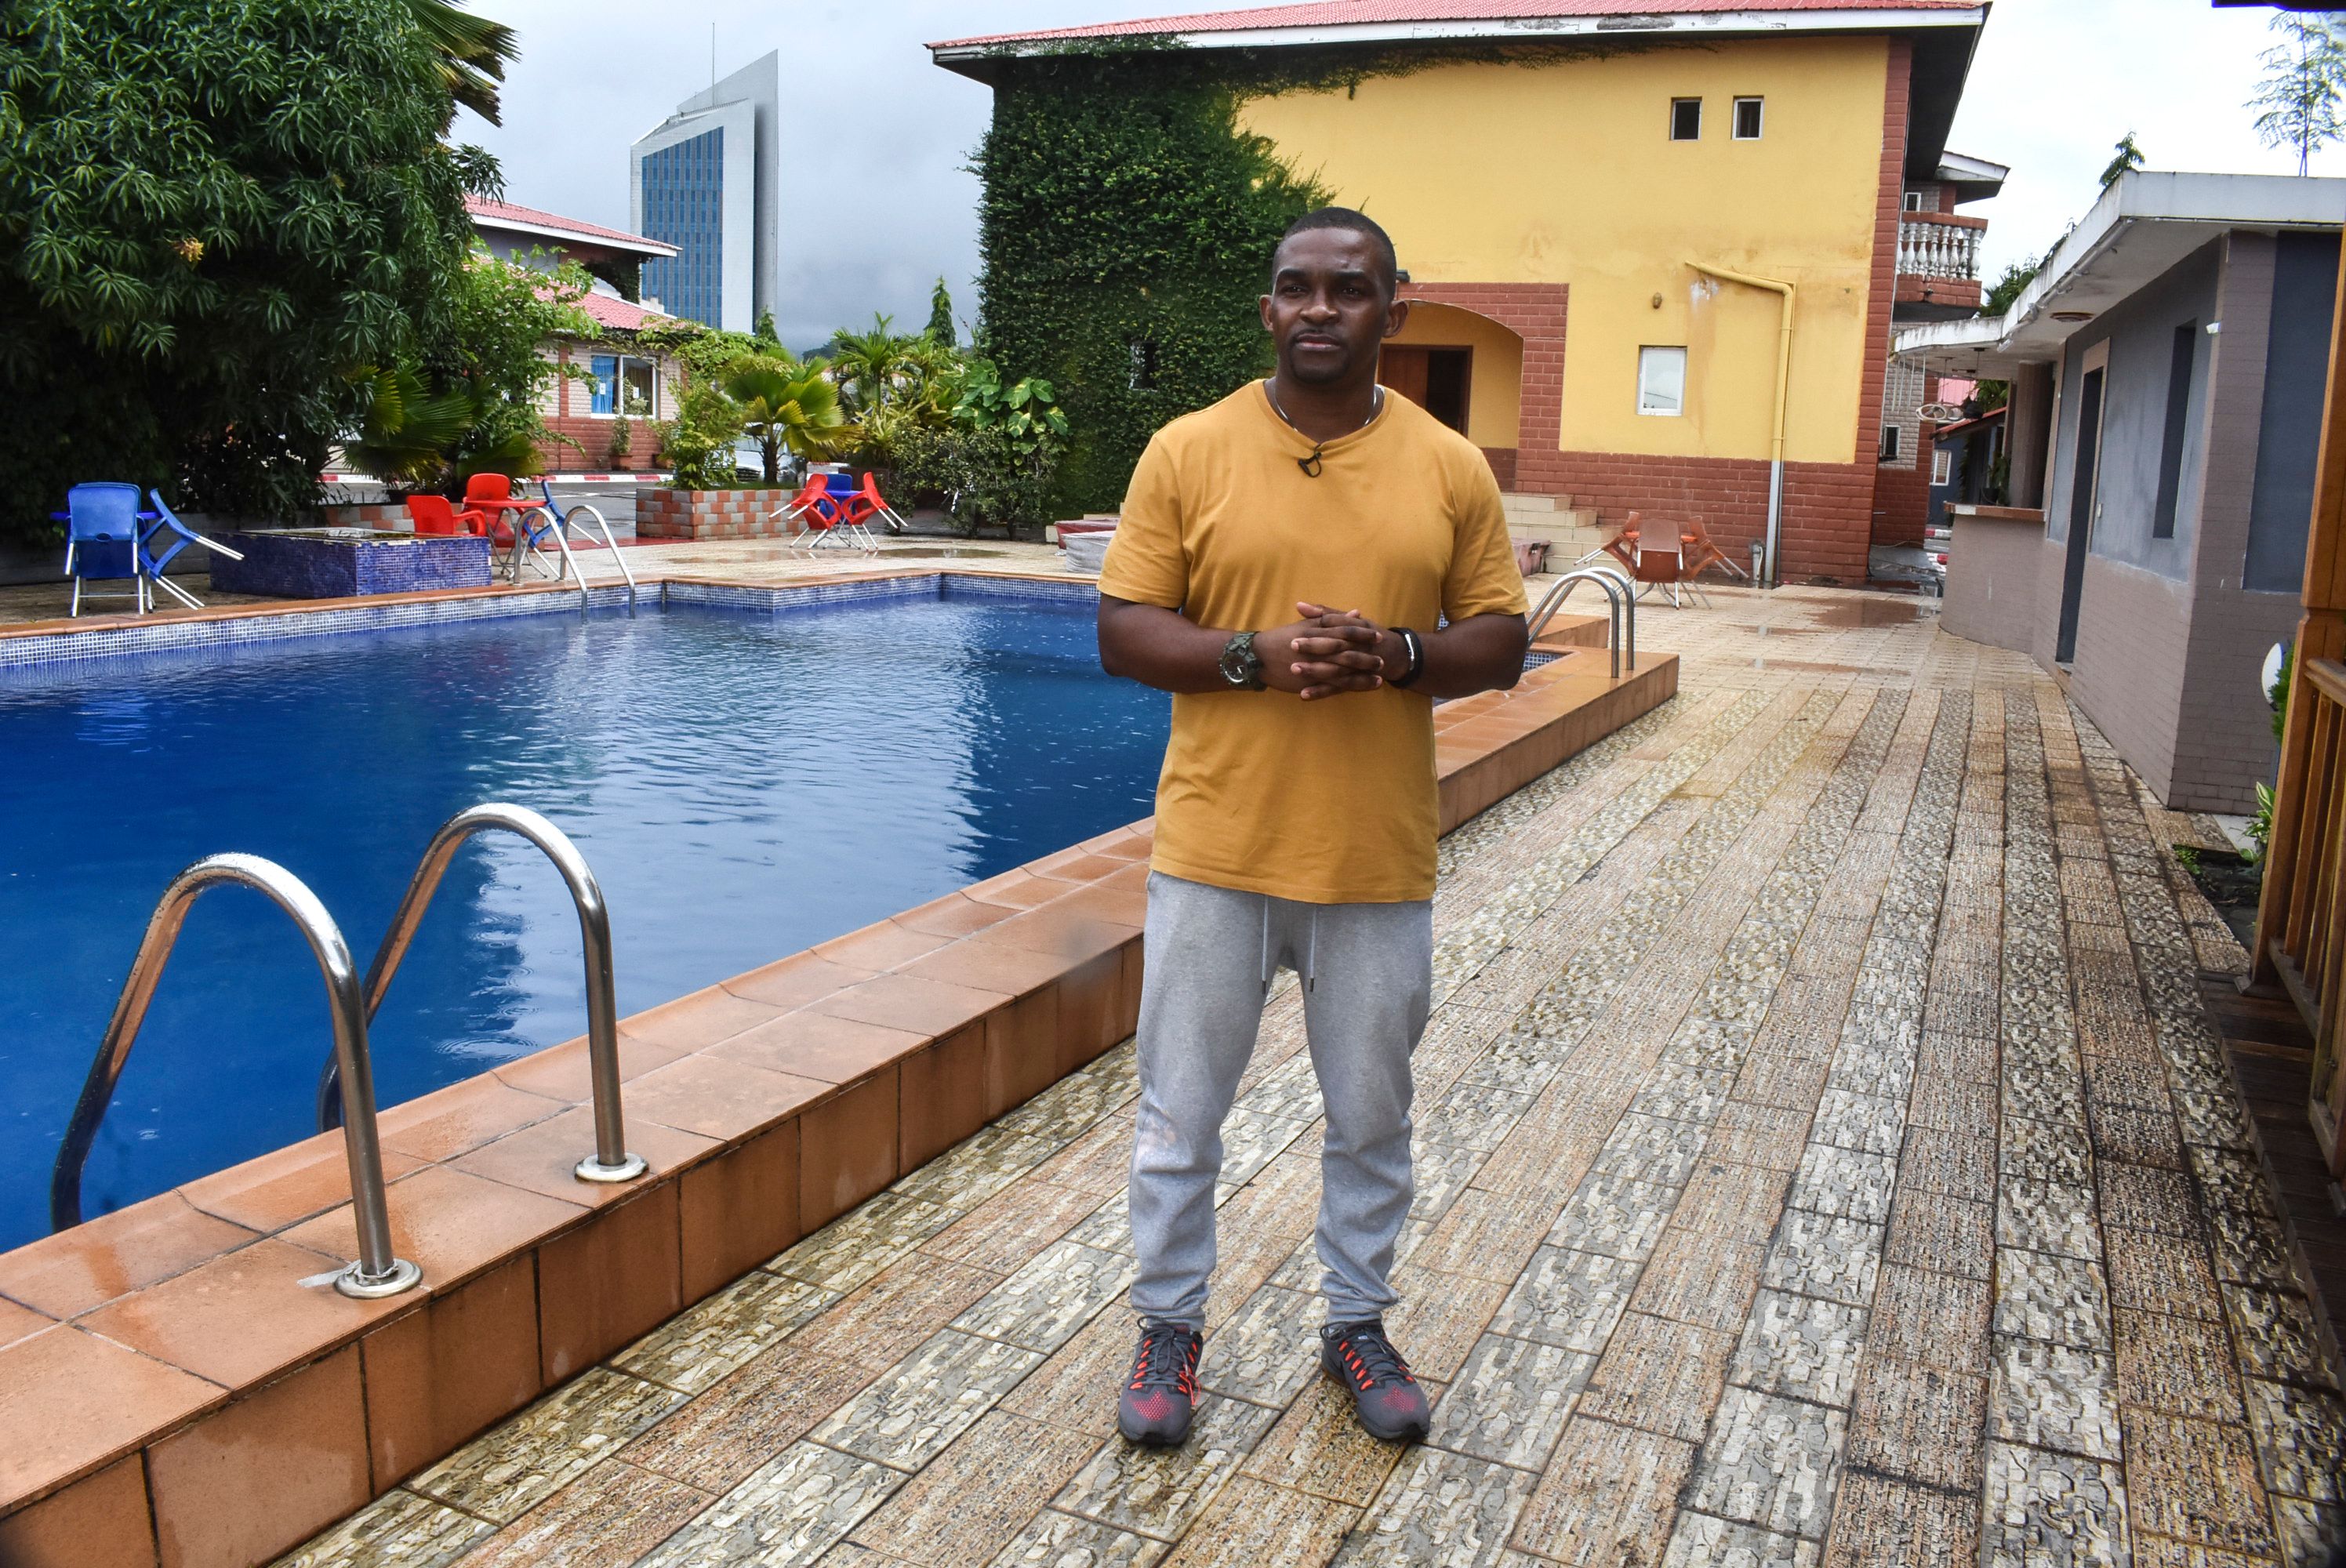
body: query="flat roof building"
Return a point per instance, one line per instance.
(706, 180)
(2144, 538)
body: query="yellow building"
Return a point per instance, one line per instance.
(1652, 253)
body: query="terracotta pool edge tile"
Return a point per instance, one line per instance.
(53, 1299)
(108, 1507)
(199, 1397)
(276, 1267)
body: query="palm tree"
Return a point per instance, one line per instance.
(787, 405)
(471, 50)
(868, 361)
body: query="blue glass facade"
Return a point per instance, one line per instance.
(684, 205)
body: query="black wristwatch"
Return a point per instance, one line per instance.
(1241, 665)
(1416, 646)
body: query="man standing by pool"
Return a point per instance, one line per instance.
(1286, 561)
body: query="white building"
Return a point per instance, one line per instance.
(706, 180)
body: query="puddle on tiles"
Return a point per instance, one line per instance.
(1867, 613)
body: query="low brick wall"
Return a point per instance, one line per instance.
(665, 513)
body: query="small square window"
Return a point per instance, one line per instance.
(1661, 381)
(1942, 466)
(1749, 113)
(1913, 201)
(1686, 119)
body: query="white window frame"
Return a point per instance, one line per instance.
(1943, 465)
(1913, 201)
(1672, 125)
(1653, 358)
(1735, 118)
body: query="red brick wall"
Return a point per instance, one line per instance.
(1825, 503)
(1882, 293)
(1502, 460)
(1536, 312)
(665, 513)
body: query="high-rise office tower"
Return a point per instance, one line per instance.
(707, 181)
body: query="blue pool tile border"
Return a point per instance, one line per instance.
(54, 649)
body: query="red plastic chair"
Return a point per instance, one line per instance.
(867, 503)
(491, 494)
(434, 514)
(821, 517)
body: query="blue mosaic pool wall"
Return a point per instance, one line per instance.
(302, 566)
(130, 641)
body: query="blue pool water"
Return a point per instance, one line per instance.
(744, 786)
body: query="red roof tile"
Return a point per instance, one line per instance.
(1354, 13)
(619, 313)
(534, 217)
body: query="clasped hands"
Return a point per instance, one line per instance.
(1329, 653)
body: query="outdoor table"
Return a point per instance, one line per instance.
(521, 545)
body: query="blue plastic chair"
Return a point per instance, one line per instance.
(168, 522)
(102, 541)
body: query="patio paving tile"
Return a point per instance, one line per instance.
(1824, 1158)
(721, 1437)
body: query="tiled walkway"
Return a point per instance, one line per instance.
(1823, 1157)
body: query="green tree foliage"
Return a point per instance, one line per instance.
(212, 217)
(2127, 157)
(476, 375)
(869, 365)
(766, 332)
(1123, 205)
(786, 405)
(2305, 75)
(2008, 287)
(941, 322)
(471, 51)
(698, 443)
(995, 459)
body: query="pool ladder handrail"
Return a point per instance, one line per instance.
(610, 1162)
(560, 523)
(378, 1271)
(1621, 595)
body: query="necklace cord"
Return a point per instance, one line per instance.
(1311, 464)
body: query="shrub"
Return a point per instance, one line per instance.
(213, 219)
(698, 442)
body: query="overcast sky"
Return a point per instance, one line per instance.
(877, 204)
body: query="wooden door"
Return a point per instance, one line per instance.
(1404, 367)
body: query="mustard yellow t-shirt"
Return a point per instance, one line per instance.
(1332, 800)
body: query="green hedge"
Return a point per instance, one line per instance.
(1123, 205)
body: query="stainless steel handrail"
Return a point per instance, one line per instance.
(610, 1162)
(1622, 608)
(610, 543)
(377, 1272)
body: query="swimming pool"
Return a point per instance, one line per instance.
(744, 784)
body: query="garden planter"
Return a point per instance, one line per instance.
(342, 563)
(665, 513)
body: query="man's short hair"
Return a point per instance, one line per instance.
(1359, 223)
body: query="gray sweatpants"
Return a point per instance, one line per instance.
(1368, 973)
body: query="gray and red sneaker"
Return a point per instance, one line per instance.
(1392, 1406)
(1161, 1395)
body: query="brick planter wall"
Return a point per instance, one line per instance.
(665, 513)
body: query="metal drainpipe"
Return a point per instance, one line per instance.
(1783, 390)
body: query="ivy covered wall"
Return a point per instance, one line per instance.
(1125, 232)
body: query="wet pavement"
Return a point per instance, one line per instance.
(1824, 1156)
